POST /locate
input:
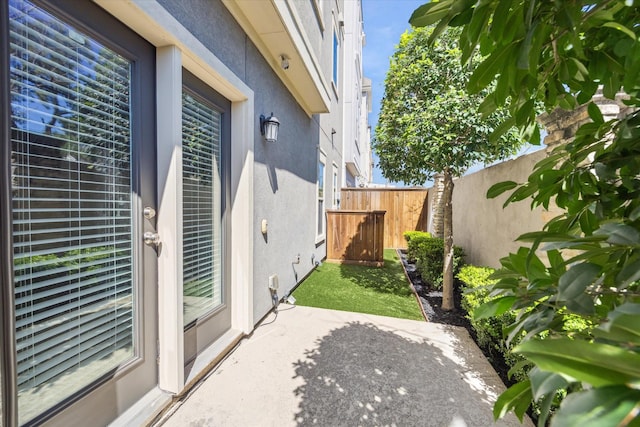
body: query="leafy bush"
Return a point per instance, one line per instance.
(489, 331)
(429, 255)
(414, 238)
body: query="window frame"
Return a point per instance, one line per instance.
(321, 222)
(335, 71)
(209, 95)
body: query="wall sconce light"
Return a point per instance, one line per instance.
(269, 127)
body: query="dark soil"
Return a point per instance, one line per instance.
(431, 301)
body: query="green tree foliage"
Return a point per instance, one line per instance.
(558, 54)
(428, 124)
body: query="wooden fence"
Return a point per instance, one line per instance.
(355, 237)
(406, 209)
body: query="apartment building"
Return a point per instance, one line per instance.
(166, 170)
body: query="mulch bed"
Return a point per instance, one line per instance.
(431, 300)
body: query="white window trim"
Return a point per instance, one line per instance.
(184, 50)
(335, 187)
(320, 237)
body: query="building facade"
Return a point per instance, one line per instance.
(356, 95)
(147, 223)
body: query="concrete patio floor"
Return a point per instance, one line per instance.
(309, 366)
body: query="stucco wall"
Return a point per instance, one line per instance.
(485, 230)
(284, 186)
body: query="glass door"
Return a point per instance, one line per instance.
(84, 284)
(205, 136)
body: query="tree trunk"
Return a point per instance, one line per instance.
(436, 226)
(447, 271)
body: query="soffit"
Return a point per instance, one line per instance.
(275, 29)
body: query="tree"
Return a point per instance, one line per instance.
(559, 54)
(429, 125)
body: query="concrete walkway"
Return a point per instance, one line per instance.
(310, 366)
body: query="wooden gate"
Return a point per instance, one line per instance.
(355, 237)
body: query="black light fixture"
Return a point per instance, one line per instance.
(269, 127)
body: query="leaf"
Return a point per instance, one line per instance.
(501, 129)
(622, 325)
(487, 69)
(622, 28)
(521, 193)
(488, 106)
(606, 406)
(594, 113)
(525, 49)
(576, 280)
(594, 363)
(430, 13)
(516, 398)
(544, 382)
(619, 234)
(629, 274)
(493, 308)
(499, 188)
(525, 112)
(582, 304)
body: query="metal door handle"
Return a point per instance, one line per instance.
(151, 238)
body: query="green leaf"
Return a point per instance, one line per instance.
(629, 274)
(622, 325)
(487, 70)
(499, 188)
(544, 382)
(594, 363)
(521, 193)
(621, 28)
(606, 406)
(619, 234)
(525, 112)
(576, 280)
(581, 304)
(488, 106)
(501, 129)
(430, 13)
(635, 214)
(525, 49)
(516, 398)
(493, 308)
(594, 113)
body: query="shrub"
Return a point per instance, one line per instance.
(414, 238)
(489, 331)
(429, 255)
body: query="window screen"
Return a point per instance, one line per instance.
(72, 210)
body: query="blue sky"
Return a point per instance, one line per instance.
(384, 22)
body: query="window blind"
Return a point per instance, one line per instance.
(202, 240)
(72, 210)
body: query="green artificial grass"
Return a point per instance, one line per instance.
(384, 291)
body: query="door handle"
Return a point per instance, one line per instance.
(151, 238)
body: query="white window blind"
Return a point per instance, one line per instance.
(202, 239)
(72, 212)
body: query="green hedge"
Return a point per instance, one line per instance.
(430, 261)
(489, 332)
(414, 238)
